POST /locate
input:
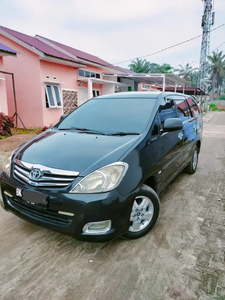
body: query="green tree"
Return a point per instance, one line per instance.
(186, 71)
(194, 78)
(165, 69)
(140, 66)
(217, 69)
(143, 66)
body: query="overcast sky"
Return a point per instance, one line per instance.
(117, 30)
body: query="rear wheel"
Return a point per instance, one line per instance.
(192, 166)
(144, 213)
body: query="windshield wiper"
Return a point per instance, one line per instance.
(86, 130)
(121, 133)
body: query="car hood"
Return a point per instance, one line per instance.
(74, 151)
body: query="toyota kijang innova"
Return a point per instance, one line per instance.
(97, 174)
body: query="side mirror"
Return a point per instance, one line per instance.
(62, 118)
(172, 124)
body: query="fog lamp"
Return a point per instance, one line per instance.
(97, 227)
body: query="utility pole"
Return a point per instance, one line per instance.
(207, 21)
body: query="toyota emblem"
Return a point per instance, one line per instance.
(35, 174)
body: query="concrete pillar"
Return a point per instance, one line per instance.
(90, 89)
(164, 83)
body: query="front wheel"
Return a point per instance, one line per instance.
(193, 164)
(144, 213)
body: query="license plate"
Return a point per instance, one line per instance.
(33, 198)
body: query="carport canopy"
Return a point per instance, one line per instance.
(160, 80)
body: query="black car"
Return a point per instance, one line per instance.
(97, 174)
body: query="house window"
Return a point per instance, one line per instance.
(81, 72)
(96, 93)
(146, 86)
(85, 73)
(52, 96)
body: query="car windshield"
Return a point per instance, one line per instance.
(111, 116)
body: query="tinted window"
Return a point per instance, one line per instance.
(50, 95)
(81, 72)
(56, 89)
(87, 74)
(193, 107)
(112, 115)
(167, 110)
(183, 110)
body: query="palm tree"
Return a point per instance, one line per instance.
(185, 71)
(217, 68)
(140, 66)
(194, 78)
(165, 69)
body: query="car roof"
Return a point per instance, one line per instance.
(138, 95)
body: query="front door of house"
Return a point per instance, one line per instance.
(70, 100)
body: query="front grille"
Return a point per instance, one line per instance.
(48, 216)
(47, 177)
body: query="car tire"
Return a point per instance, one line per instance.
(193, 164)
(144, 213)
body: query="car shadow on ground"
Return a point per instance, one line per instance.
(61, 242)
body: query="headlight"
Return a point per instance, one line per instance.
(102, 180)
(7, 164)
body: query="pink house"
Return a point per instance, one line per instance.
(4, 51)
(51, 79)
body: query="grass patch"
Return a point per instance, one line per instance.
(2, 137)
(214, 107)
(16, 131)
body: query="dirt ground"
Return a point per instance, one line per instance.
(181, 258)
(9, 144)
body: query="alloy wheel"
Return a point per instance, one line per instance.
(141, 214)
(195, 160)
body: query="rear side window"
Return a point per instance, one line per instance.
(193, 106)
(183, 110)
(167, 110)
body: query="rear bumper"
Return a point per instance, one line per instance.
(85, 207)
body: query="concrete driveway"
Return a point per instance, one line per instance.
(182, 258)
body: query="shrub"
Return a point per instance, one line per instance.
(212, 107)
(222, 97)
(6, 123)
(40, 130)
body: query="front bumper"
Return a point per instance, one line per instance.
(85, 207)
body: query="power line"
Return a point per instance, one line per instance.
(167, 48)
(218, 46)
(195, 62)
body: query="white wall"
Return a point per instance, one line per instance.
(129, 82)
(110, 78)
(108, 89)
